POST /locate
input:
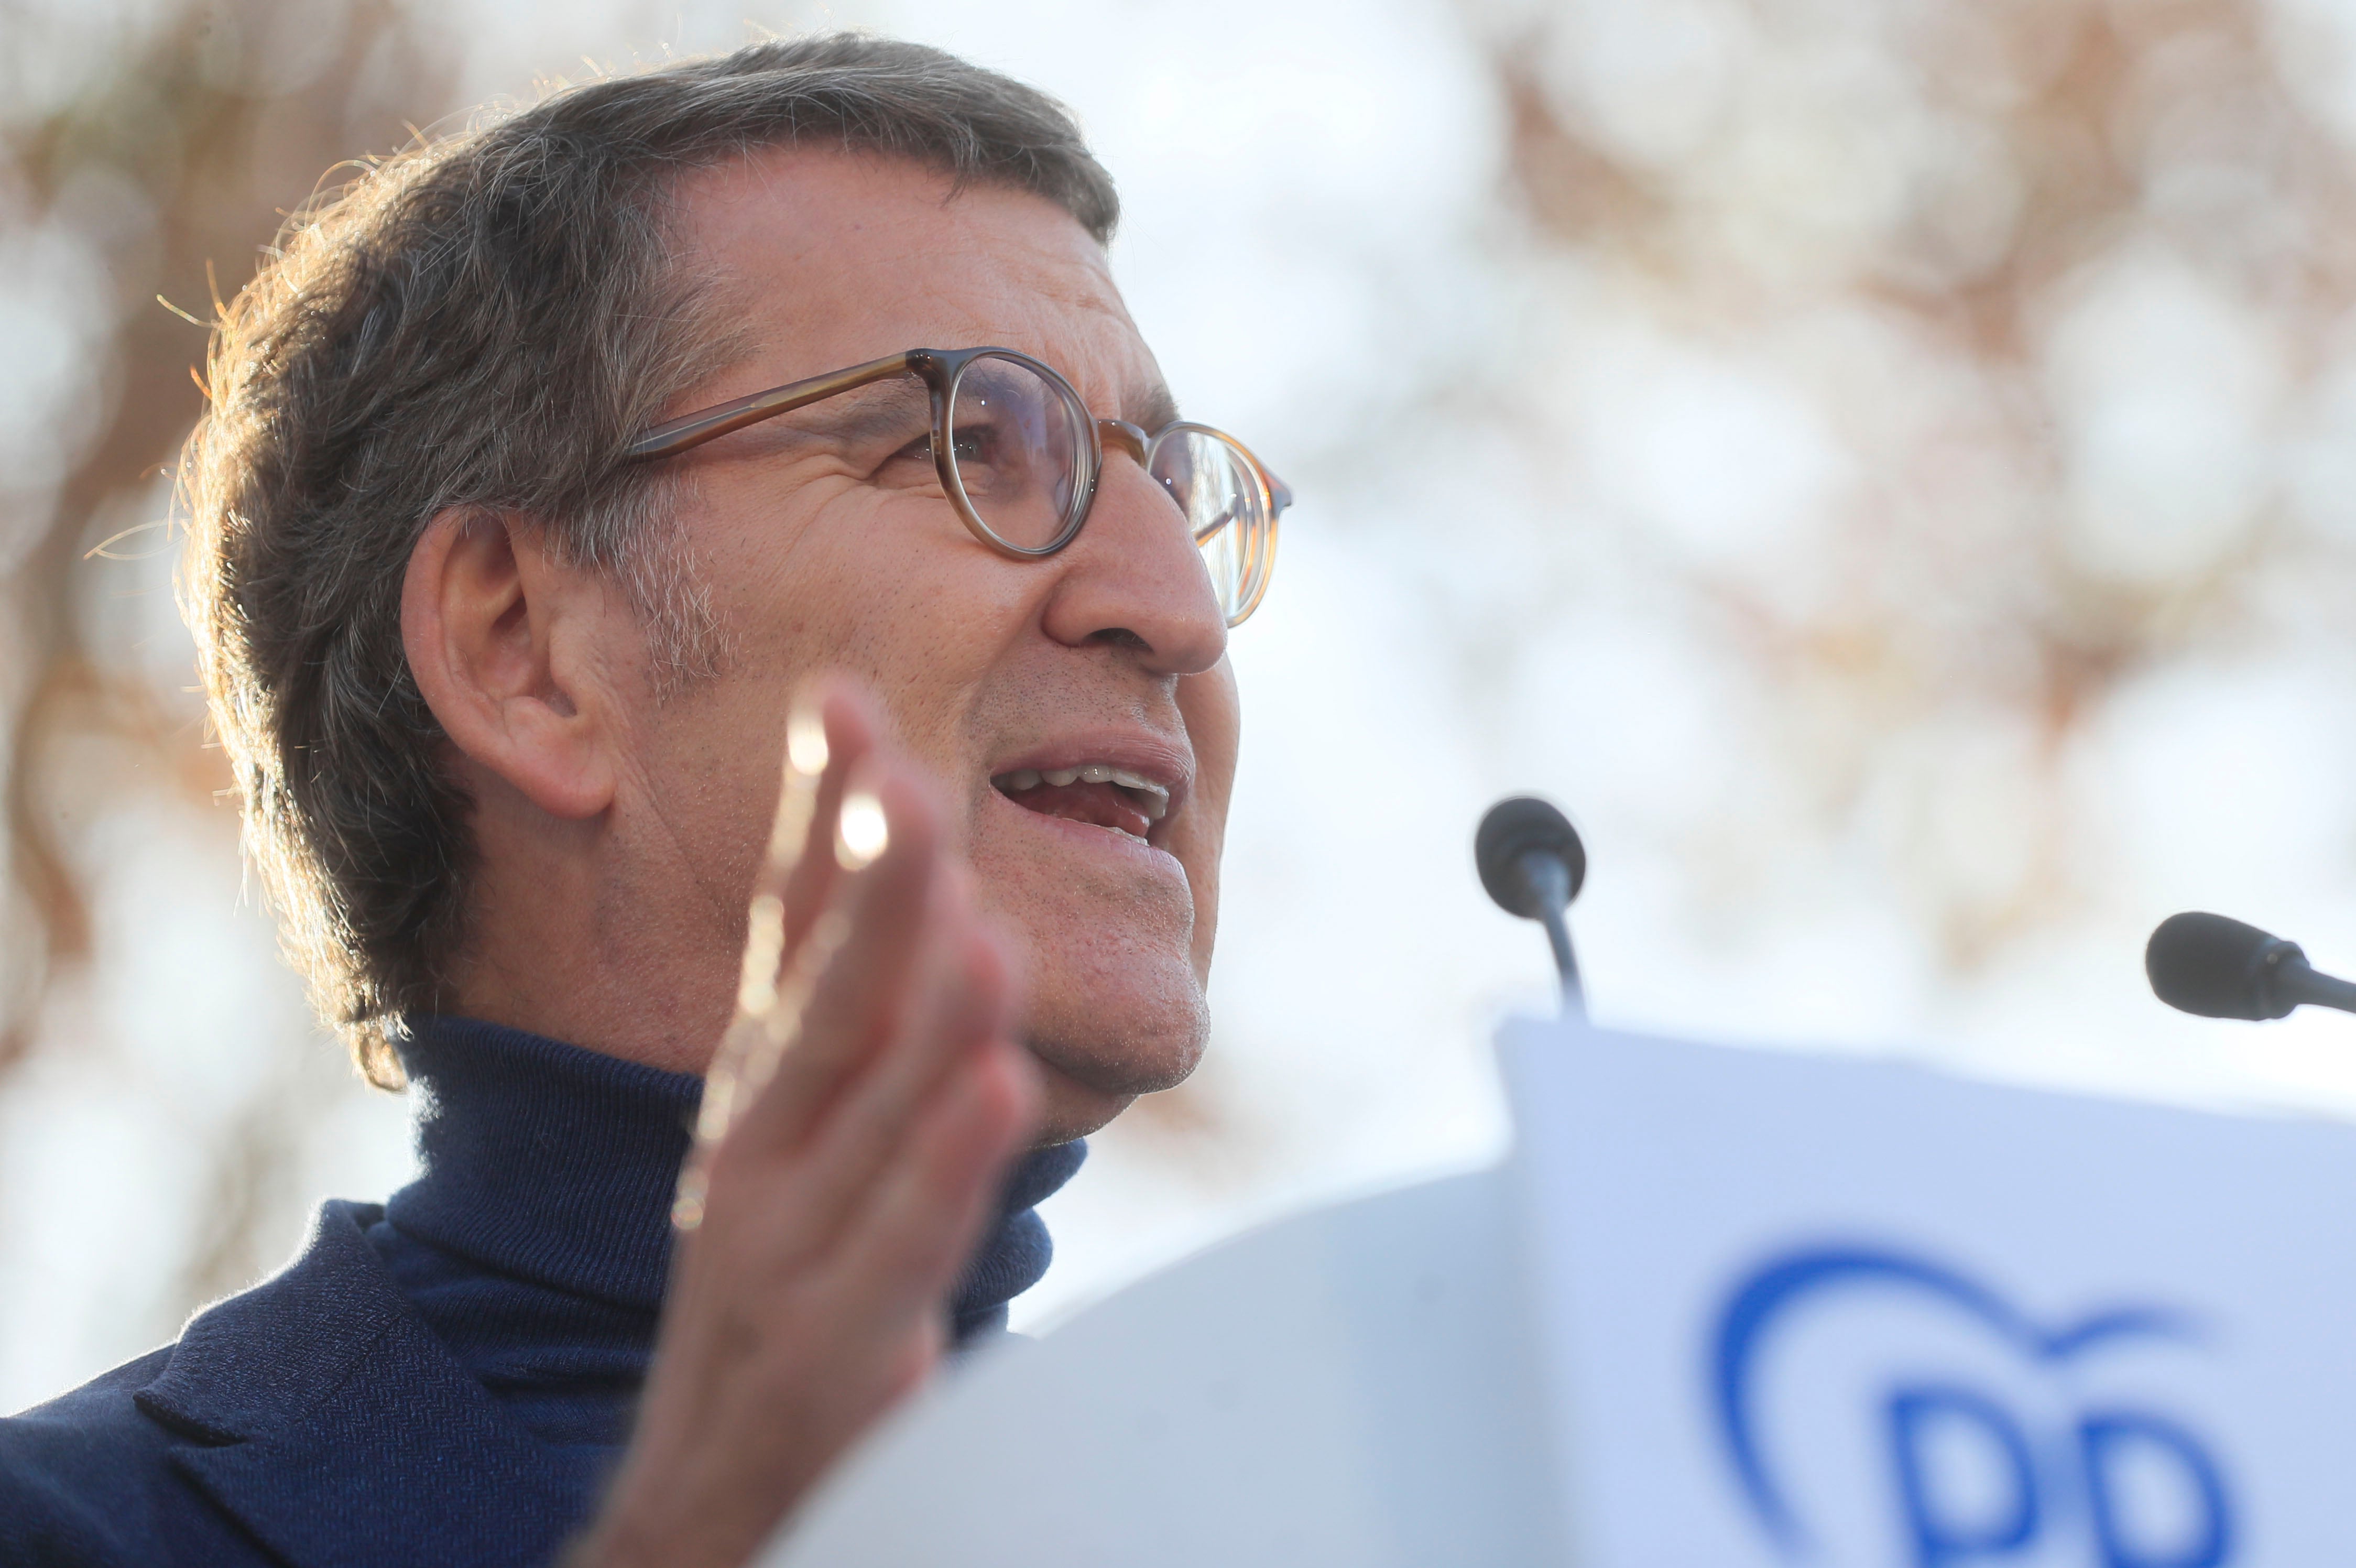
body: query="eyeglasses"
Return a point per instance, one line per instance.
(1020, 456)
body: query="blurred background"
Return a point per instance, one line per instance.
(1888, 469)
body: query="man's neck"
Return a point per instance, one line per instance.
(569, 939)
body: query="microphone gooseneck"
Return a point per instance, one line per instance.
(2220, 968)
(1533, 865)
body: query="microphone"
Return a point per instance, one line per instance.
(1533, 865)
(2220, 968)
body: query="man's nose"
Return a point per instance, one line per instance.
(1134, 577)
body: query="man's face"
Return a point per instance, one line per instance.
(825, 542)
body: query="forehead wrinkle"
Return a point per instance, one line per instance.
(1043, 289)
(1088, 337)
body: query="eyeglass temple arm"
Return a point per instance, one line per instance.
(677, 436)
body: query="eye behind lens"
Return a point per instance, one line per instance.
(1021, 453)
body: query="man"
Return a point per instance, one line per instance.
(558, 479)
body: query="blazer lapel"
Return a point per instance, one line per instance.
(321, 1412)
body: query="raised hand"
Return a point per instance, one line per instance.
(866, 1101)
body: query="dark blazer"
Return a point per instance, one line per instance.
(313, 1421)
(319, 1421)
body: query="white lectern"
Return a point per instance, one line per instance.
(1721, 1308)
(1344, 1387)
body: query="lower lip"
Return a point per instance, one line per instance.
(1108, 842)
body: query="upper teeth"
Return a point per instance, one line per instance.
(1157, 798)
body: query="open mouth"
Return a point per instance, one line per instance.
(1099, 794)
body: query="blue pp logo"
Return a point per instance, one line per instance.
(1976, 1435)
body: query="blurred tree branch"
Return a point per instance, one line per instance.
(1925, 227)
(172, 162)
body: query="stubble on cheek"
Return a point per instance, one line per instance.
(1112, 999)
(1151, 1040)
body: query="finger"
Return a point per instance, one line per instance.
(829, 731)
(851, 981)
(962, 995)
(832, 729)
(874, 1126)
(901, 1254)
(881, 907)
(835, 727)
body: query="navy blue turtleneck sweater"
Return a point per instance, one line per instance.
(538, 1239)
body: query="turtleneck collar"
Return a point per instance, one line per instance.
(543, 1161)
(554, 1164)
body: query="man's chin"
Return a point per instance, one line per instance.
(1069, 1109)
(1082, 1088)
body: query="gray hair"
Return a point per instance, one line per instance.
(484, 320)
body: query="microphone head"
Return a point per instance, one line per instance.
(2216, 967)
(1516, 827)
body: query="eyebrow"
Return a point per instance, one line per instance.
(1154, 405)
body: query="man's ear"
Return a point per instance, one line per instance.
(488, 618)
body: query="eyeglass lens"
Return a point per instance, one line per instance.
(1021, 452)
(1226, 509)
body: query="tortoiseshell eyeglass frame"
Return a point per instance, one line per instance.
(940, 370)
